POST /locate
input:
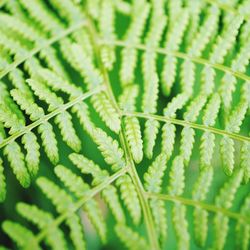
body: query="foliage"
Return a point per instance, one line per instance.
(131, 118)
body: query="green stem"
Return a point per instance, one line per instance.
(132, 169)
(228, 8)
(188, 124)
(44, 45)
(86, 197)
(47, 117)
(178, 55)
(200, 204)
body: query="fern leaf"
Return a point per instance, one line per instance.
(187, 141)
(32, 109)
(32, 152)
(133, 134)
(245, 161)
(130, 197)
(63, 203)
(129, 55)
(41, 218)
(67, 130)
(160, 217)
(49, 141)
(87, 69)
(227, 144)
(19, 26)
(107, 112)
(20, 234)
(52, 61)
(45, 94)
(109, 194)
(130, 238)
(177, 103)
(168, 139)
(89, 167)
(16, 159)
(242, 229)
(176, 183)
(76, 231)
(150, 133)
(107, 30)
(225, 200)
(56, 82)
(68, 10)
(10, 119)
(149, 105)
(173, 40)
(199, 193)
(111, 197)
(110, 149)
(181, 226)
(78, 187)
(71, 181)
(127, 102)
(153, 177)
(207, 138)
(226, 40)
(38, 12)
(2, 182)
(153, 182)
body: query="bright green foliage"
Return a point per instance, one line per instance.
(130, 197)
(131, 116)
(130, 238)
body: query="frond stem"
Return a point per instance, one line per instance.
(228, 8)
(177, 54)
(44, 45)
(188, 124)
(47, 117)
(195, 203)
(132, 170)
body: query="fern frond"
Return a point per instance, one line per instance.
(153, 177)
(110, 149)
(76, 185)
(49, 141)
(20, 234)
(89, 167)
(41, 218)
(109, 194)
(199, 193)
(129, 55)
(38, 12)
(176, 182)
(63, 203)
(32, 152)
(173, 41)
(227, 144)
(149, 105)
(225, 200)
(168, 139)
(107, 112)
(243, 231)
(245, 161)
(67, 130)
(107, 30)
(130, 238)
(130, 197)
(16, 160)
(181, 226)
(153, 182)
(207, 138)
